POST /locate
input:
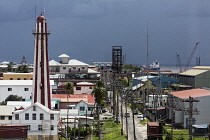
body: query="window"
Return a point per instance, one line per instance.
(64, 68)
(82, 108)
(78, 69)
(18, 78)
(83, 68)
(41, 116)
(78, 88)
(90, 87)
(25, 89)
(16, 116)
(29, 127)
(25, 78)
(39, 127)
(26, 116)
(90, 109)
(51, 116)
(11, 78)
(74, 68)
(33, 116)
(69, 69)
(2, 118)
(10, 117)
(34, 108)
(9, 89)
(52, 127)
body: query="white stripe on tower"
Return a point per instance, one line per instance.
(41, 83)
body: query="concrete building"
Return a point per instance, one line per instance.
(175, 109)
(79, 88)
(71, 70)
(197, 77)
(21, 88)
(17, 76)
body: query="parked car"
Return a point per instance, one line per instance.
(127, 114)
(104, 110)
(115, 120)
(140, 115)
(135, 112)
(108, 116)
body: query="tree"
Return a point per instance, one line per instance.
(9, 67)
(23, 69)
(132, 67)
(99, 93)
(70, 90)
(13, 98)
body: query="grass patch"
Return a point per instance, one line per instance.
(111, 131)
(178, 134)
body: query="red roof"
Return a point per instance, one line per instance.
(152, 124)
(184, 94)
(88, 96)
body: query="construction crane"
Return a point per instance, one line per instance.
(191, 56)
(179, 62)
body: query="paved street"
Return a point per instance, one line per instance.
(141, 130)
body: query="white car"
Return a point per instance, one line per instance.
(140, 115)
(108, 116)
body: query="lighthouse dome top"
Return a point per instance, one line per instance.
(41, 17)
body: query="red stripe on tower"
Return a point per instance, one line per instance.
(41, 82)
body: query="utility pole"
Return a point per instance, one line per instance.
(190, 112)
(134, 131)
(126, 118)
(121, 113)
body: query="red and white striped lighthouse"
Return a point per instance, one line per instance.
(41, 82)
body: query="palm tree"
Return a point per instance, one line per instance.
(99, 94)
(23, 69)
(70, 90)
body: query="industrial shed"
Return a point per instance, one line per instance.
(197, 77)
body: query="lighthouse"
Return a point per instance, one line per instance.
(41, 82)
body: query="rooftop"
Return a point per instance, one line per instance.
(184, 94)
(89, 98)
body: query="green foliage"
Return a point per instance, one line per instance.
(111, 131)
(23, 69)
(69, 88)
(130, 66)
(13, 98)
(123, 81)
(9, 67)
(99, 92)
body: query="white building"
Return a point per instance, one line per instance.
(6, 114)
(83, 106)
(176, 107)
(21, 88)
(40, 120)
(83, 88)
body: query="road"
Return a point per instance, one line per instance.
(140, 130)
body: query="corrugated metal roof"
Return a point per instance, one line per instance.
(85, 83)
(196, 70)
(193, 72)
(89, 97)
(75, 62)
(53, 63)
(19, 82)
(63, 55)
(184, 94)
(6, 110)
(17, 73)
(92, 71)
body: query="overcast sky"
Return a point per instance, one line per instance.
(86, 30)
